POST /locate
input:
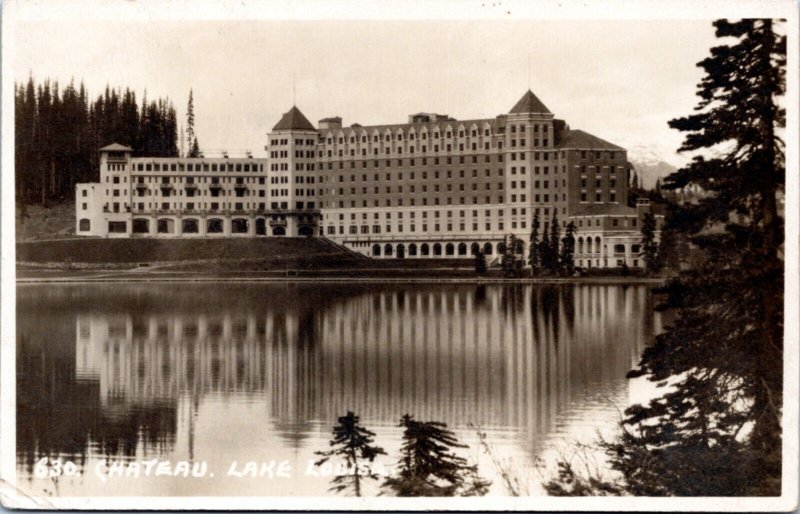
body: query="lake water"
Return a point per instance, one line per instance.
(214, 374)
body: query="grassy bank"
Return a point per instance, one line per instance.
(136, 251)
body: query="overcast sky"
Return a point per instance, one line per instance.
(620, 80)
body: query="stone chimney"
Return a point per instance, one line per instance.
(330, 123)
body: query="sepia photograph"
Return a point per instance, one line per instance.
(472, 255)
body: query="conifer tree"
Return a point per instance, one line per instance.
(59, 132)
(191, 137)
(718, 431)
(429, 467)
(353, 443)
(553, 244)
(649, 250)
(195, 151)
(568, 250)
(545, 257)
(533, 251)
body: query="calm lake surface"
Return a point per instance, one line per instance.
(220, 373)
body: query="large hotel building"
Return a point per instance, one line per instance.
(434, 187)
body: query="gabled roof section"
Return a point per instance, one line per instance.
(584, 140)
(529, 103)
(608, 209)
(294, 120)
(116, 147)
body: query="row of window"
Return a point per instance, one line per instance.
(388, 136)
(615, 222)
(213, 192)
(204, 166)
(448, 148)
(598, 197)
(423, 214)
(423, 188)
(194, 180)
(341, 204)
(424, 228)
(297, 192)
(297, 142)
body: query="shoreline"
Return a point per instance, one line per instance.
(249, 277)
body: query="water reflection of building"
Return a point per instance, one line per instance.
(513, 356)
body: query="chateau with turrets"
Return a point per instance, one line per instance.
(434, 187)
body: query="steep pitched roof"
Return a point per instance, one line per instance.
(581, 139)
(613, 209)
(294, 120)
(529, 103)
(116, 147)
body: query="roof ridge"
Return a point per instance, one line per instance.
(293, 119)
(529, 103)
(581, 139)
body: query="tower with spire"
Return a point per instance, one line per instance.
(529, 140)
(294, 207)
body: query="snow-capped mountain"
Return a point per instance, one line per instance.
(653, 162)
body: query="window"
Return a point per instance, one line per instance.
(117, 227)
(84, 225)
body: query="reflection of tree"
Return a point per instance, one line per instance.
(64, 410)
(60, 415)
(492, 356)
(550, 304)
(512, 298)
(480, 295)
(568, 301)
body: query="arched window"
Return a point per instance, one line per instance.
(589, 245)
(580, 245)
(239, 226)
(261, 227)
(376, 250)
(214, 226)
(278, 231)
(475, 248)
(166, 226)
(401, 251)
(449, 249)
(437, 249)
(519, 246)
(306, 231)
(84, 225)
(141, 226)
(387, 250)
(412, 250)
(190, 226)
(425, 250)
(462, 249)
(487, 248)
(501, 248)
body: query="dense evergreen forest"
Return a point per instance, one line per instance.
(58, 132)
